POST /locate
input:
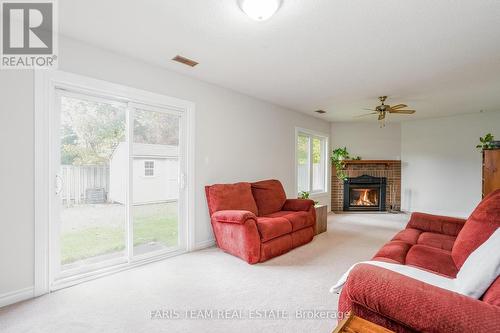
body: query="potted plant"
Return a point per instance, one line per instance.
(340, 155)
(305, 195)
(487, 142)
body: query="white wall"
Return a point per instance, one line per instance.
(441, 166)
(368, 140)
(237, 138)
(16, 180)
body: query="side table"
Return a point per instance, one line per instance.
(321, 219)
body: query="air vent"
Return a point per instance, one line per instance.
(185, 61)
(320, 111)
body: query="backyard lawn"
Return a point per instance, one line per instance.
(156, 223)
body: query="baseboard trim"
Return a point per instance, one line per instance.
(204, 244)
(16, 296)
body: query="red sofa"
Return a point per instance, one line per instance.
(438, 244)
(256, 222)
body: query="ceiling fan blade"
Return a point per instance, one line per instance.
(364, 115)
(399, 106)
(369, 109)
(403, 111)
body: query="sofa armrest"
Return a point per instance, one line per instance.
(434, 223)
(233, 216)
(298, 205)
(236, 232)
(416, 304)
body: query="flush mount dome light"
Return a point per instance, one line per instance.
(260, 10)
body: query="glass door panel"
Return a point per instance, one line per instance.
(155, 180)
(303, 162)
(91, 182)
(318, 164)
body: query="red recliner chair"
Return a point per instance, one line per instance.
(256, 222)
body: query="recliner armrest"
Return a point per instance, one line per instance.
(435, 223)
(416, 304)
(233, 216)
(298, 205)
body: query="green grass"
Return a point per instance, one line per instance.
(91, 242)
(151, 224)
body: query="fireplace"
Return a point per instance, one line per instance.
(364, 193)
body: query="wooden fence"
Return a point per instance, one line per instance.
(76, 180)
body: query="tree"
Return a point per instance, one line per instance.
(156, 128)
(303, 149)
(90, 131)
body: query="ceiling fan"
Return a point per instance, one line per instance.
(383, 109)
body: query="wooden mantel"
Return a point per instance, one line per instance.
(385, 162)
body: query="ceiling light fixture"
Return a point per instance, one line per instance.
(260, 10)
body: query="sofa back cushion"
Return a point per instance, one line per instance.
(230, 197)
(269, 196)
(482, 223)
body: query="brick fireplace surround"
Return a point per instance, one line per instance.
(390, 169)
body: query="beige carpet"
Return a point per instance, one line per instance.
(212, 280)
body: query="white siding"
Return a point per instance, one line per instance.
(162, 186)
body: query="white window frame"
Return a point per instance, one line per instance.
(46, 85)
(146, 168)
(322, 136)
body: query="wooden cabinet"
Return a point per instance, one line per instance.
(491, 170)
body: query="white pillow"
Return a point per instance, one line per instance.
(481, 268)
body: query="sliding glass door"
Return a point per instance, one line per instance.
(119, 177)
(155, 179)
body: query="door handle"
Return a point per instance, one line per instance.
(59, 182)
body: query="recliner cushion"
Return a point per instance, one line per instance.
(272, 227)
(269, 196)
(394, 250)
(408, 235)
(439, 241)
(432, 259)
(230, 197)
(482, 223)
(299, 220)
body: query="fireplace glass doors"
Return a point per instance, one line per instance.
(364, 193)
(364, 197)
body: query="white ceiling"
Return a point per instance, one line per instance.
(439, 57)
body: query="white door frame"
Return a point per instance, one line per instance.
(45, 85)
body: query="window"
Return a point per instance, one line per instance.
(149, 168)
(311, 152)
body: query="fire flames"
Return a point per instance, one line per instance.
(365, 199)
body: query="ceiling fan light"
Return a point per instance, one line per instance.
(260, 10)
